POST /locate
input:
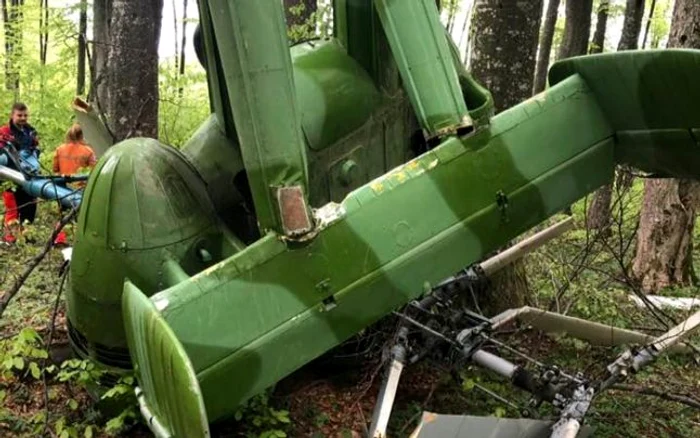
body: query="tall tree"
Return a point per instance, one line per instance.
(598, 43)
(546, 40)
(503, 59)
(504, 54)
(43, 31)
(665, 236)
(652, 9)
(176, 40)
(13, 21)
(599, 213)
(632, 26)
(99, 77)
(132, 67)
(660, 22)
(577, 30)
(452, 14)
(183, 45)
(82, 47)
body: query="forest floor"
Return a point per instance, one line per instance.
(333, 398)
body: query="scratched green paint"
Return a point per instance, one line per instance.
(232, 326)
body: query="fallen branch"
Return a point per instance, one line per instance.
(19, 282)
(688, 401)
(47, 413)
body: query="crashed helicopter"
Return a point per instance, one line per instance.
(340, 181)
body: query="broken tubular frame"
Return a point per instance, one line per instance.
(573, 395)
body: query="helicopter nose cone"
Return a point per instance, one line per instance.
(144, 203)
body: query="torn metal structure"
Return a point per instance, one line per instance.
(333, 183)
(572, 395)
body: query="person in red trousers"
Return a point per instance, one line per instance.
(20, 207)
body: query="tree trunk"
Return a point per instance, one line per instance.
(503, 59)
(43, 31)
(176, 40)
(598, 216)
(7, 27)
(657, 31)
(634, 14)
(503, 56)
(99, 77)
(183, 45)
(577, 30)
(132, 66)
(546, 39)
(598, 43)
(508, 289)
(13, 21)
(452, 11)
(664, 245)
(665, 237)
(599, 212)
(82, 48)
(649, 20)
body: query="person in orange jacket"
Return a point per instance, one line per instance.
(19, 206)
(72, 156)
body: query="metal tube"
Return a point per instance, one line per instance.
(660, 344)
(419, 44)
(509, 315)
(385, 401)
(382, 412)
(11, 174)
(151, 420)
(567, 429)
(593, 332)
(47, 189)
(173, 273)
(510, 255)
(494, 363)
(677, 333)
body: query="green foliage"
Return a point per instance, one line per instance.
(450, 8)
(184, 103)
(615, 8)
(557, 38)
(82, 372)
(20, 355)
(47, 89)
(318, 24)
(261, 419)
(660, 24)
(23, 361)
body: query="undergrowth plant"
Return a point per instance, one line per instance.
(261, 419)
(28, 377)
